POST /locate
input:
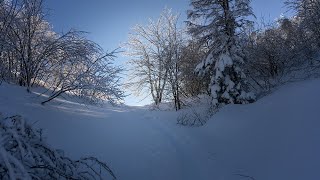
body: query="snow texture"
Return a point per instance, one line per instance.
(223, 62)
(275, 138)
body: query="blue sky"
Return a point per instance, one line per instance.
(109, 21)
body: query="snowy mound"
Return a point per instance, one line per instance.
(275, 138)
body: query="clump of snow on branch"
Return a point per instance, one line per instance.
(225, 58)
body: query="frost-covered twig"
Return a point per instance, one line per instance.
(24, 155)
(197, 116)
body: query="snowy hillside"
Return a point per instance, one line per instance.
(276, 138)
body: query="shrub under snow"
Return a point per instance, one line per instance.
(24, 155)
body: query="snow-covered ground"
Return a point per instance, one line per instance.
(276, 138)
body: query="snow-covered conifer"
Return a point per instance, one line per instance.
(223, 20)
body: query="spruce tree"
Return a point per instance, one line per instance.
(218, 23)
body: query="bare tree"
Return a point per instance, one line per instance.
(192, 84)
(279, 53)
(8, 13)
(156, 49)
(33, 54)
(173, 53)
(308, 12)
(27, 36)
(83, 70)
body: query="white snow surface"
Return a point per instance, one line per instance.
(276, 138)
(223, 62)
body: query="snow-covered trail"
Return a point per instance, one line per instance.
(274, 138)
(137, 143)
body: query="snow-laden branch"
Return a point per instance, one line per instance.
(24, 155)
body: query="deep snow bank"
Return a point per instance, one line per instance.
(274, 138)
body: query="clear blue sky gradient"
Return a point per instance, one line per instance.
(109, 21)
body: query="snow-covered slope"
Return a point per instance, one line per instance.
(276, 138)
